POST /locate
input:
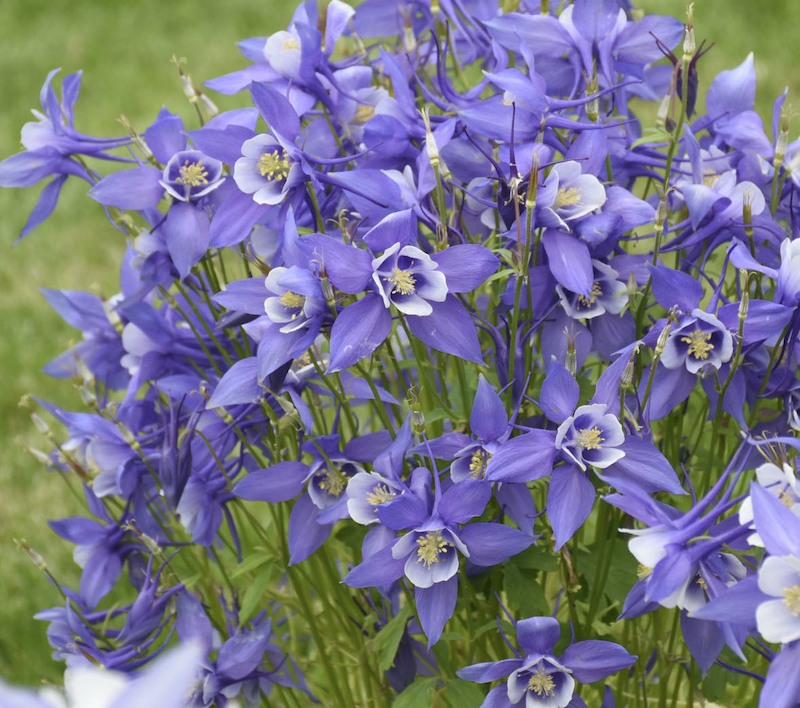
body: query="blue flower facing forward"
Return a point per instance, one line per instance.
(538, 679)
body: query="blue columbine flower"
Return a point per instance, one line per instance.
(409, 279)
(591, 437)
(539, 679)
(700, 342)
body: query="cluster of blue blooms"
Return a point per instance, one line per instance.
(406, 346)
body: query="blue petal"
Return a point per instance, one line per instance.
(465, 266)
(538, 635)
(136, 188)
(448, 329)
(238, 385)
(778, 527)
(397, 227)
(593, 660)
(489, 670)
(488, 418)
(703, 639)
(48, 198)
(349, 268)
(524, 458)
(435, 606)
(464, 501)
(165, 137)
(381, 568)
(569, 502)
(736, 605)
(560, 393)
(305, 534)
(675, 288)
(186, 232)
(569, 261)
(281, 482)
(235, 219)
(732, 91)
(276, 110)
(782, 687)
(242, 653)
(644, 465)
(358, 331)
(490, 544)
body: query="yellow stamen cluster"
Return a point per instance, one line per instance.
(594, 293)
(786, 498)
(274, 165)
(541, 684)
(363, 114)
(791, 598)
(403, 281)
(699, 344)
(642, 571)
(380, 494)
(477, 463)
(332, 481)
(292, 300)
(431, 546)
(590, 438)
(290, 44)
(567, 197)
(193, 174)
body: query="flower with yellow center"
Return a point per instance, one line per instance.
(541, 684)
(292, 301)
(568, 196)
(478, 462)
(791, 598)
(699, 343)
(380, 494)
(193, 174)
(431, 546)
(403, 281)
(274, 165)
(332, 481)
(590, 438)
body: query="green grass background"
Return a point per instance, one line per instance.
(124, 50)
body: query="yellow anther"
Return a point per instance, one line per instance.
(403, 281)
(289, 44)
(193, 174)
(786, 498)
(791, 598)
(699, 344)
(594, 293)
(590, 438)
(567, 197)
(477, 464)
(541, 684)
(292, 300)
(642, 571)
(332, 481)
(380, 494)
(431, 546)
(274, 165)
(363, 114)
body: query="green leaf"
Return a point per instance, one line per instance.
(254, 594)
(386, 641)
(419, 693)
(251, 562)
(653, 135)
(524, 593)
(536, 558)
(463, 694)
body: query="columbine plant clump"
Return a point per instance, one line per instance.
(437, 374)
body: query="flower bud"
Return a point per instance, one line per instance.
(662, 338)
(34, 555)
(689, 44)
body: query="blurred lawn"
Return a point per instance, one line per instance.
(124, 49)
